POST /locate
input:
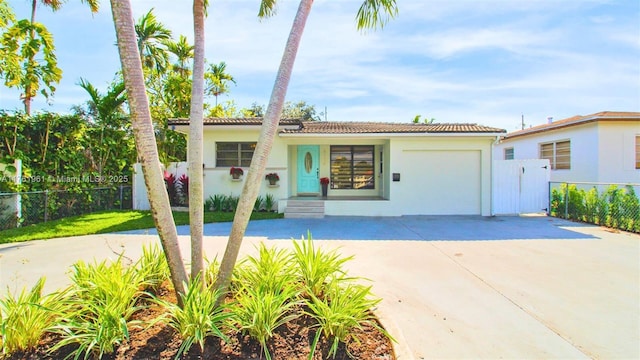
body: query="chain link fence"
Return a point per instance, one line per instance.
(26, 208)
(612, 205)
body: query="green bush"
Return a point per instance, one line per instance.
(616, 207)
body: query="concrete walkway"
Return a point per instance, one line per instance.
(453, 287)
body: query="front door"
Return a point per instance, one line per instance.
(308, 169)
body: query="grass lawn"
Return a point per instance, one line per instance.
(107, 222)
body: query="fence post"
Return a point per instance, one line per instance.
(566, 200)
(46, 205)
(121, 196)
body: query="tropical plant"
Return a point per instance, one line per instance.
(104, 297)
(271, 270)
(152, 267)
(269, 202)
(183, 187)
(258, 205)
(199, 317)
(315, 268)
(258, 311)
(151, 37)
(25, 318)
(340, 312)
(218, 80)
(172, 187)
(23, 43)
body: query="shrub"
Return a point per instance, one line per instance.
(199, 317)
(344, 309)
(183, 187)
(104, 298)
(172, 187)
(316, 268)
(25, 318)
(269, 202)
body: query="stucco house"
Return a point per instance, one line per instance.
(600, 148)
(374, 169)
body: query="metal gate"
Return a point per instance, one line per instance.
(520, 186)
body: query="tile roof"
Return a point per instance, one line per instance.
(232, 121)
(331, 127)
(577, 120)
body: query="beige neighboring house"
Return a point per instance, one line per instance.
(374, 169)
(603, 147)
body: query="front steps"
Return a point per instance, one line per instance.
(304, 209)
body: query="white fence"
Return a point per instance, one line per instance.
(520, 186)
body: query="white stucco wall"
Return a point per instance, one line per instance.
(616, 158)
(602, 151)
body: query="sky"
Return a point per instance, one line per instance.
(491, 62)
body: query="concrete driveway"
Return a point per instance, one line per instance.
(453, 287)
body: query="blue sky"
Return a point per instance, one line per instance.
(478, 61)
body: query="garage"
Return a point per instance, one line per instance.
(441, 182)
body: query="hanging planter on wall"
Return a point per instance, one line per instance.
(236, 173)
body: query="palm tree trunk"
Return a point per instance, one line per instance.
(195, 148)
(146, 142)
(263, 147)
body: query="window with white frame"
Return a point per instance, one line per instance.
(508, 153)
(558, 153)
(230, 154)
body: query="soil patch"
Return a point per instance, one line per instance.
(291, 341)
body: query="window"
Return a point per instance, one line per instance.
(558, 153)
(637, 151)
(352, 167)
(508, 154)
(230, 154)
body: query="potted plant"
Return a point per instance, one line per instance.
(325, 185)
(236, 172)
(272, 178)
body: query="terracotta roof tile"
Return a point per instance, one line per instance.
(232, 121)
(577, 120)
(333, 127)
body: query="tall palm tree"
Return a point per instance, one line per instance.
(195, 150)
(145, 140)
(183, 51)
(218, 80)
(372, 13)
(151, 36)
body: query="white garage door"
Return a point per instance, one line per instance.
(441, 182)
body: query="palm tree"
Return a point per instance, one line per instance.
(145, 140)
(372, 13)
(183, 51)
(195, 150)
(218, 80)
(151, 37)
(106, 112)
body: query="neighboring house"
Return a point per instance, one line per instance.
(375, 169)
(602, 147)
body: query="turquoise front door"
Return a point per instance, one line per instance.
(308, 169)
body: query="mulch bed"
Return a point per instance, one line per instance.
(292, 341)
